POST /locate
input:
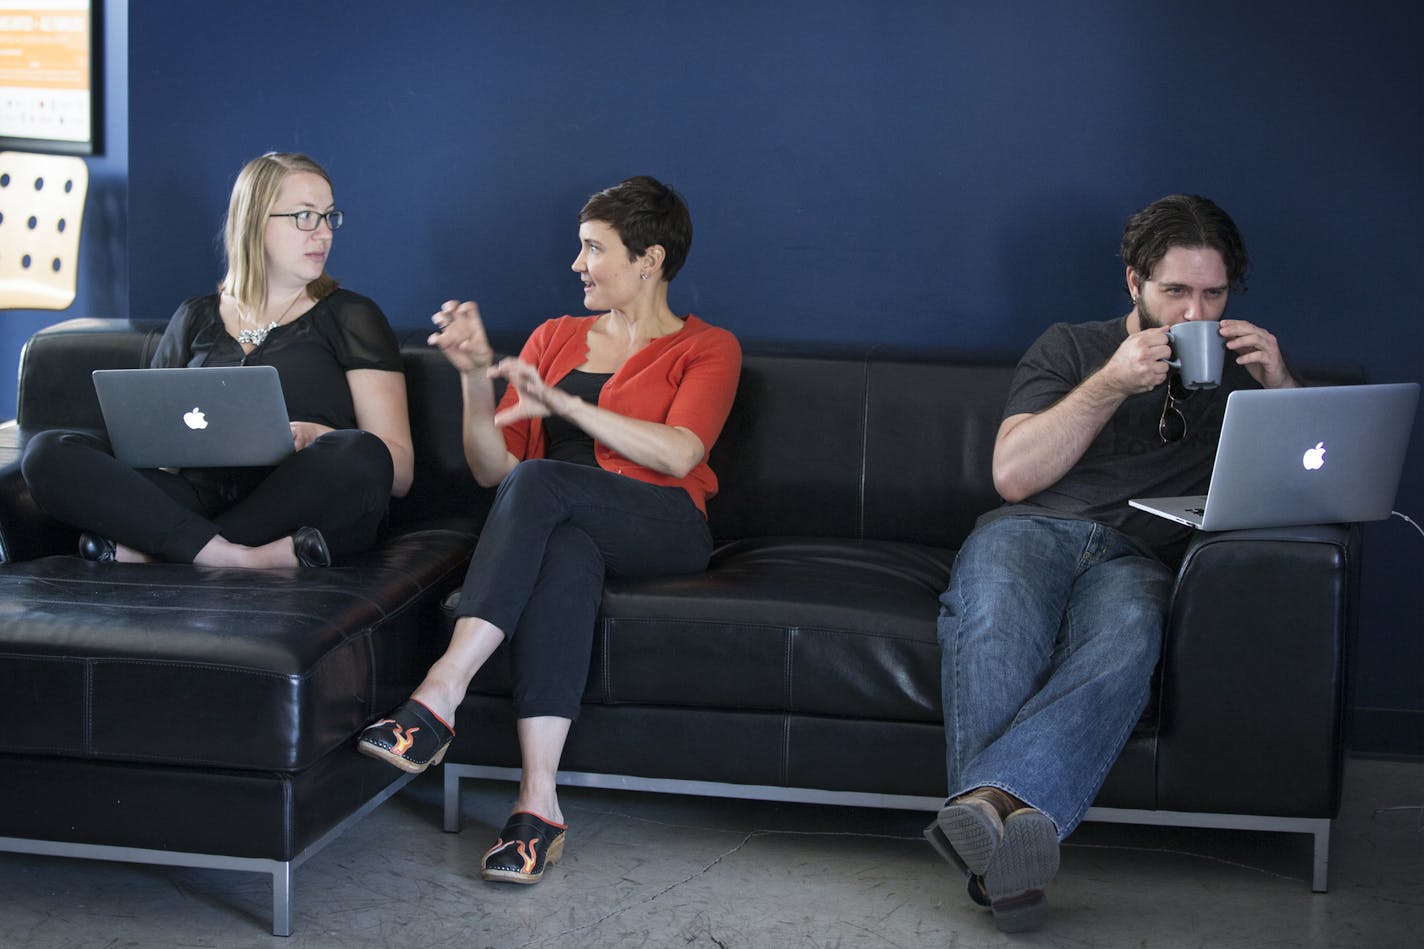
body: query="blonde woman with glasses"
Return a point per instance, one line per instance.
(341, 376)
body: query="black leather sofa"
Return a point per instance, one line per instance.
(190, 716)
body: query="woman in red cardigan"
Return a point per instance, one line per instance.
(599, 448)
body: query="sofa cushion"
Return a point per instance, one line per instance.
(801, 625)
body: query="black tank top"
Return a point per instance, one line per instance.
(563, 440)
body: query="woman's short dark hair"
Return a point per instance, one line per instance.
(1184, 220)
(644, 212)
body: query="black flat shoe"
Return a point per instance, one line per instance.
(97, 549)
(412, 738)
(525, 847)
(310, 547)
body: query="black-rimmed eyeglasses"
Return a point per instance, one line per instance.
(311, 220)
(1172, 426)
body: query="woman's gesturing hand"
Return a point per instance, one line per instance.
(460, 335)
(536, 399)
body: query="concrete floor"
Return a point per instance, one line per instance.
(668, 871)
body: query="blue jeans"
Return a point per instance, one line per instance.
(1050, 631)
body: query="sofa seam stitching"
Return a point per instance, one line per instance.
(89, 707)
(864, 444)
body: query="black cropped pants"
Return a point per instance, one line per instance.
(554, 531)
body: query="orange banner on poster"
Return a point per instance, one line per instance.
(44, 49)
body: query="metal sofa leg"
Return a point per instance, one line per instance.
(1319, 879)
(451, 796)
(282, 899)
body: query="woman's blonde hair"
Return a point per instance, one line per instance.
(254, 194)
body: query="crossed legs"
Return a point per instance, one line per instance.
(536, 579)
(339, 485)
(1049, 631)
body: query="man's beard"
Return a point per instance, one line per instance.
(1145, 318)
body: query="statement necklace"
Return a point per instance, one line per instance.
(256, 337)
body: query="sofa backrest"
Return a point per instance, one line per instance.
(865, 443)
(869, 444)
(55, 387)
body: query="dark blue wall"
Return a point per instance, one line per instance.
(931, 173)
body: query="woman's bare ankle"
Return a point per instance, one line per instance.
(221, 552)
(438, 700)
(124, 554)
(540, 805)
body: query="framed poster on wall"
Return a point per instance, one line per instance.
(50, 75)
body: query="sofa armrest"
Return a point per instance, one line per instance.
(1254, 673)
(26, 532)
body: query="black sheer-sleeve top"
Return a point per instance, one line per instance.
(312, 353)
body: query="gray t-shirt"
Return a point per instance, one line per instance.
(1128, 458)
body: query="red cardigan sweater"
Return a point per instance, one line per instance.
(687, 378)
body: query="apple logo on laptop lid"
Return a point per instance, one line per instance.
(194, 419)
(1314, 458)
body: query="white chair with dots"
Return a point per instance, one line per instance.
(41, 210)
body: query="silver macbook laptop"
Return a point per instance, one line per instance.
(195, 418)
(1324, 455)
